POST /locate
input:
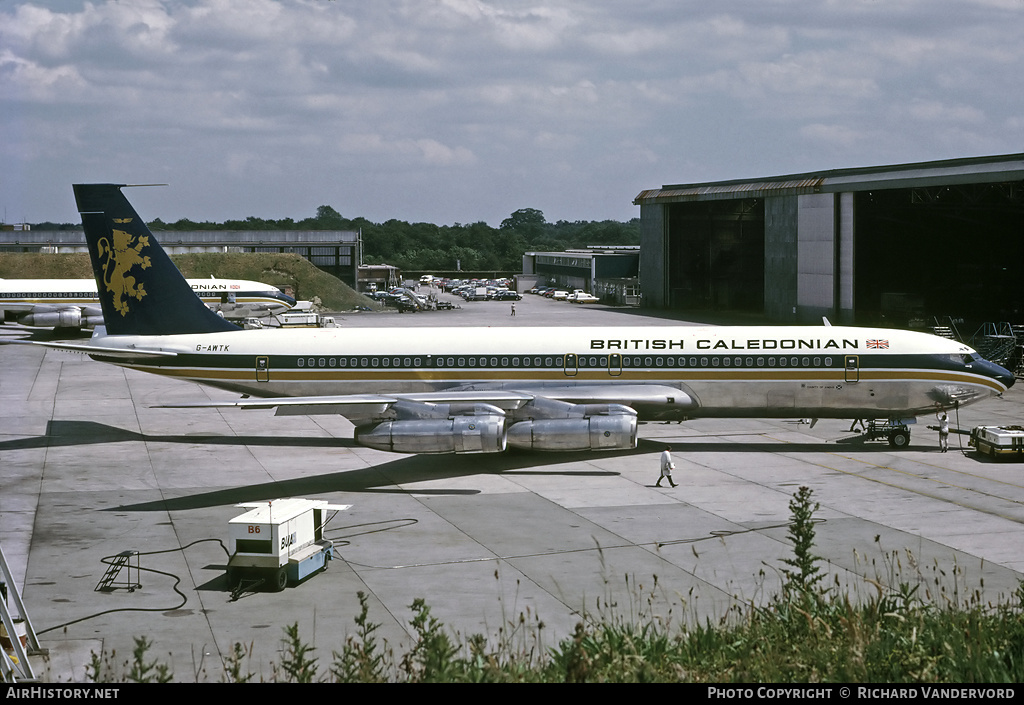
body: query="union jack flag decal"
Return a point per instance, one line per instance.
(879, 344)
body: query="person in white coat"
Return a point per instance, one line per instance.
(667, 466)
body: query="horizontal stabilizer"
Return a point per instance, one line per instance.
(97, 351)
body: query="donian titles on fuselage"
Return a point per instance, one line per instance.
(762, 344)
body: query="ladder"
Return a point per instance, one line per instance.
(945, 327)
(15, 667)
(114, 566)
(996, 342)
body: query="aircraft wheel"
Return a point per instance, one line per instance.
(899, 439)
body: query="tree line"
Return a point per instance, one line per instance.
(424, 246)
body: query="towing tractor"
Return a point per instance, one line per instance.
(278, 542)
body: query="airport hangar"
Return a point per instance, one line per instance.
(861, 246)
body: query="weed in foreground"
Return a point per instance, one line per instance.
(807, 632)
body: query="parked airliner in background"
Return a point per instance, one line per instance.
(75, 303)
(454, 390)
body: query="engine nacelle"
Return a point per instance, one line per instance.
(461, 434)
(616, 432)
(64, 318)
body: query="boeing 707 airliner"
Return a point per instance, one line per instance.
(75, 303)
(461, 390)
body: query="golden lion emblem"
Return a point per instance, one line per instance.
(119, 258)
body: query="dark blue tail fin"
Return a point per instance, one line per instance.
(141, 291)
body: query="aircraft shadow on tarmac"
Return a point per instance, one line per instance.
(383, 478)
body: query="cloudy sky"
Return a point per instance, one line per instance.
(450, 111)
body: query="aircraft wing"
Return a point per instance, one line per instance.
(487, 418)
(358, 406)
(22, 306)
(97, 351)
(362, 406)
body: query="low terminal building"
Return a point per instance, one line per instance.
(336, 252)
(876, 245)
(610, 273)
(377, 277)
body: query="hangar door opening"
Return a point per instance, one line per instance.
(716, 256)
(954, 250)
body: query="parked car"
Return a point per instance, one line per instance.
(582, 297)
(508, 295)
(560, 295)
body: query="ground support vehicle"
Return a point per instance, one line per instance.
(895, 431)
(278, 542)
(999, 442)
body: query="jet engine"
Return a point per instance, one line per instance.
(437, 428)
(63, 318)
(562, 426)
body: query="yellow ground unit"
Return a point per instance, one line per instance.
(1002, 442)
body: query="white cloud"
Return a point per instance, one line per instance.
(462, 110)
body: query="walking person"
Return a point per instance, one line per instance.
(667, 466)
(943, 432)
(513, 308)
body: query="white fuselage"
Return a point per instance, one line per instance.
(82, 292)
(38, 296)
(824, 371)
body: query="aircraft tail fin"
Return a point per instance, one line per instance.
(141, 291)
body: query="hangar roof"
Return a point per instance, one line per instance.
(970, 170)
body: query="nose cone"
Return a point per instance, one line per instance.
(998, 373)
